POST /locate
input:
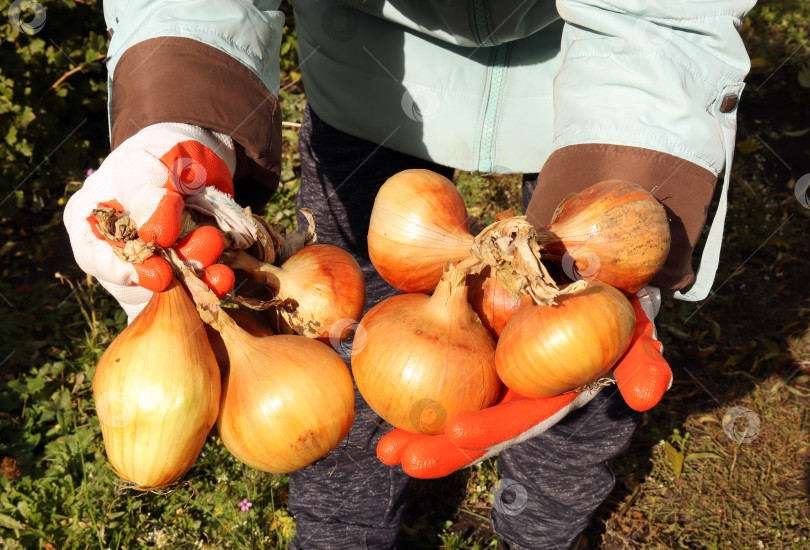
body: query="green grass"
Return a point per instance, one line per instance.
(747, 346)
(693, 508)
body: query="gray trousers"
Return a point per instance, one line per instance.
(550, 485)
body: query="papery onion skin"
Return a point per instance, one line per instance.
(288, 400)
(548, 350)
(251, 324)
(321, 286)
(157, 390)
(615, 232)
(425, 359)
(328, 285)
(491, 300)
(419, 222)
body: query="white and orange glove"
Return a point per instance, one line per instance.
(150, 176)
(642, 376)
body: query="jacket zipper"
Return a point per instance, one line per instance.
(496, 80)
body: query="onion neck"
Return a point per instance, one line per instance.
(449, 300)
(261, 272)
(204, 298)
(513, 248)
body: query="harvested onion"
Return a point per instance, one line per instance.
(157, 391)
(615, 232)
(286, 402)
(321, 286)
(491, 300)
(426, 358)
(546, 350)
(418, 224)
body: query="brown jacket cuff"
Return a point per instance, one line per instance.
(183, 80)
(685, 189)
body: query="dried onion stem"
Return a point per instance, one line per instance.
(510, 248)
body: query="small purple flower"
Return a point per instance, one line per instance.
(245, 505)
(90, 171)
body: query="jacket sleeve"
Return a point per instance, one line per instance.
(648, 91)
(211, 63)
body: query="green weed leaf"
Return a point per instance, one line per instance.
(794, 391)
(24, 508)
(10, 523)
(11, 135)
(675, 458)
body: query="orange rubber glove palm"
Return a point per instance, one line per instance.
(642, 376)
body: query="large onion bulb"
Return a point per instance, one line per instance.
(615, 232)
(418, 223)
(425, 359)
(546, 350)
(157, 392)
(286, 402)
(322, 287)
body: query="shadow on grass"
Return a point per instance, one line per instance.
(747, 345)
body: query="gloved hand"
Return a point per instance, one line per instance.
(642, 376)
(149, 176)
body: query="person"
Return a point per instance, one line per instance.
(568, 94)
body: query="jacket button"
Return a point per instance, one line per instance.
(728, 103)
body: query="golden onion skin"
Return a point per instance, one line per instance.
(547, 350)
(425, 359)
(328, 285)
(419, 222)
(157, 390)
(615, 232)
(492, 302)
(287, 401)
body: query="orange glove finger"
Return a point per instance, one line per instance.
(203, 245)
(219, 278)
(392, 445)
(193, 166)
(435, 456)
(488, 427)
(154, 273)
(163, 226)
(643, 375)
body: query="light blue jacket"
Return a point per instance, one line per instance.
(490, 85)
